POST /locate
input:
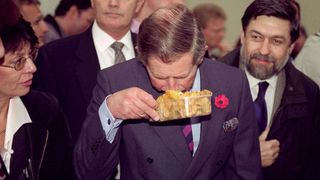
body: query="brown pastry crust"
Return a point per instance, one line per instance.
(177, 105)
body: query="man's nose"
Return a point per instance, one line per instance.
(265, 47)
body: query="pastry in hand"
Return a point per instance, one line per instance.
(178, 105)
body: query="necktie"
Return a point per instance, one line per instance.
(261, 106)
(3, 170)
(187, 133)
(117, 47)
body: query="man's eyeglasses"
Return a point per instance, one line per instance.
(21, 61)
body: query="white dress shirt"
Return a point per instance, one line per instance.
(102, 42)
(17, 116)
(270, 93)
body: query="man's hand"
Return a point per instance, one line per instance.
(269, 149)
(133, 103)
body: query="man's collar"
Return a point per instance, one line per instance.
(103, 40)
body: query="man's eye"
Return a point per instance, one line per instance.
(277, 42)
(256, 37)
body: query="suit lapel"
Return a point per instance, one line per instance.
(169, 132)
(277, 99)
(37, 138)
(210, 125)
(29, 146)
(87, 66)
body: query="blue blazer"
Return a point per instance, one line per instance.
(228, 146)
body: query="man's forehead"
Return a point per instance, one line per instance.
(31, 12)
(269, 25)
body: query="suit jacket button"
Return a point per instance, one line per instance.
(220, 162)
(149, 160)
(109, 122)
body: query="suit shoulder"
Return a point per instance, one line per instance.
(41, 105)
(300, 80)
(64, 44)
(126, 67)
(217, 66)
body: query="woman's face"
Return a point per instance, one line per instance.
(13, 82)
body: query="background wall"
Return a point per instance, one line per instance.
(234, 9)
(310, 14)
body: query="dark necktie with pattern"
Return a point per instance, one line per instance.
(261, 107)
(187, 133)
(118, 57)
(3, 170)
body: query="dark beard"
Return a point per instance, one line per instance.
(259, 71)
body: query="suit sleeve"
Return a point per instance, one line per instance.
(245, 161)
(94, 156)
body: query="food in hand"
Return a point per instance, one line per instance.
(177, 105)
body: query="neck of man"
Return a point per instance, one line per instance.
(64, 24)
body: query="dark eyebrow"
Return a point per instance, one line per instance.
(276, 36)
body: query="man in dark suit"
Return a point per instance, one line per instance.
(224, 144)
(289, 141)
(67, 68)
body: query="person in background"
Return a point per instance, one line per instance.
(120, 122)
(287, 102)
(211, 19)
(71, 17)
(148, 7)
(307, 60)
(68, 67)
(35, 141)
(30, 10)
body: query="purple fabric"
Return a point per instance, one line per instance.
(187, 132)
(261, 107)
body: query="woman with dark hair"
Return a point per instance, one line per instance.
(35, 141)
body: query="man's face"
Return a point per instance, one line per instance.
(32, 14)
(266, 46)
(83, 20)
(115, 15)
(178, 75)
(214, 32)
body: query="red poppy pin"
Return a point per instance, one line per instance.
(221, 101)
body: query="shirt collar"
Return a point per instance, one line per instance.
(254, 81)
(103, 40)
(196, 83)
(135, 26)
(17, 117)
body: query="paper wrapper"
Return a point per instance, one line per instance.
(177, 105)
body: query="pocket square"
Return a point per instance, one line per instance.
(230, 125)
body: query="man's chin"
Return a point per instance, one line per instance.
(260, 72)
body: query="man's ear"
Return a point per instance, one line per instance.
(291, 47)
(242, 37)
(92, 3)
(72, 12)
(139, 5)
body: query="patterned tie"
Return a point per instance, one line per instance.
(261, 107)
(117, 47)
(187, 132)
